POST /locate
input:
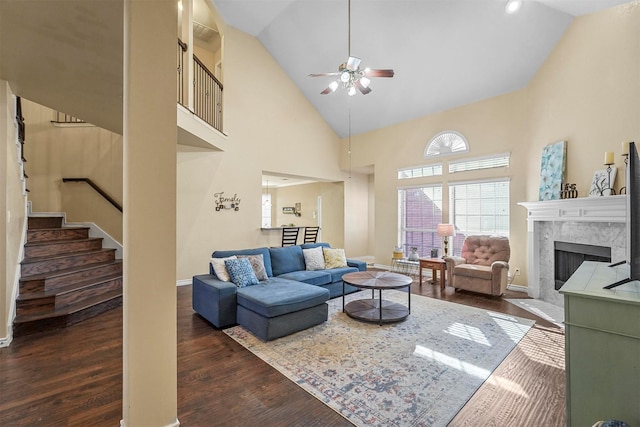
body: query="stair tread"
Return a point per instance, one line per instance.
(57, 273)
(59, 256)
(74, 227)
(60, 241)
(69, 288)
(69, 309)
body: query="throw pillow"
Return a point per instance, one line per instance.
(220, 269)
(334, 258)
(241, 272)
(314, 258)
(257, 263)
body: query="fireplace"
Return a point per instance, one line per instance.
(568, 256)
(589, 221)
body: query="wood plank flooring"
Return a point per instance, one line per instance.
(73, 377)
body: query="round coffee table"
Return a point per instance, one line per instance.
(376, 309)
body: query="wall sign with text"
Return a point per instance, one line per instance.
(224, 202)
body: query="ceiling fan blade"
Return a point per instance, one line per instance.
(327, 91)
(323, 74)
(361, 88)
(378, 73)
(353, 63)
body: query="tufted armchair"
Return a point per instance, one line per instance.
(483, 266)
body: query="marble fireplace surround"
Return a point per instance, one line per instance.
(600, 221)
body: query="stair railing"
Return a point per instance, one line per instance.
(182, 49)
(207, 89)
(97, 188)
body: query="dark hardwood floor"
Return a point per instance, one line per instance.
(73, 377)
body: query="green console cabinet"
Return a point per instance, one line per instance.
(602, 353)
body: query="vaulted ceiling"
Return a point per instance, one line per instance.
(445, 53)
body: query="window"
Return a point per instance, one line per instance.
(480, 207)
(419, 213)
(431, 170)
(445, 143)
(493, 161)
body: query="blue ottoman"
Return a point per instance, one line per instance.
(279, 307)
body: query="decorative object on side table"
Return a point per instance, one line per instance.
(413, 255)
(552, 170)
(445, 231)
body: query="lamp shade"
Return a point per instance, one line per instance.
(445, 230)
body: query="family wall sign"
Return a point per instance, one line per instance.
(224, 202)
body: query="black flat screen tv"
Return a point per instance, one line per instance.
(633, 219)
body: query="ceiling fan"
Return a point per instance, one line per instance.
(350, 76)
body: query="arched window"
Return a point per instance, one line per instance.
(445, 143)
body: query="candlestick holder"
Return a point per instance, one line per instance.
(608, 187)
(623, 190)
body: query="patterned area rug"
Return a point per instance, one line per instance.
(546, 310)
(419, 372)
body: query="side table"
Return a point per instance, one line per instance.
(435, 264)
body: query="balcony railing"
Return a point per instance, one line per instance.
(207, 90)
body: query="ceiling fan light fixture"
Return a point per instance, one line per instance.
(345, 76)
(364, 81)
(352, 90)
(334, 85)
(513, 6)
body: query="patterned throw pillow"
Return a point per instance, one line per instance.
(257, 263)
(314, 258)
(240, 272)
(220, 269)
(334, 258)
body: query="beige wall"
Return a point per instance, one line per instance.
(587, 92)
(307, 195)
(73, 152)
(12, 210)
(270, 126)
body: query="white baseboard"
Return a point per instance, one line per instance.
(6, 341)
(518, 288)
(175, 423)
(183, 282)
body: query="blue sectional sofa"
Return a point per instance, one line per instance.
(290, 300)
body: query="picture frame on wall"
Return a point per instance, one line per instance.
(552, 169)
(601, 184)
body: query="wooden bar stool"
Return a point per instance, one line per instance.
(289, 236)
(311, 234)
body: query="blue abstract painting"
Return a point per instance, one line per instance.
(552, 170)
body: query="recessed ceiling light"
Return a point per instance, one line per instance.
(513, 6)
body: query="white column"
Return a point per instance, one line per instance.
(149, 217)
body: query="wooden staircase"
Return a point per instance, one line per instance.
(66, 277)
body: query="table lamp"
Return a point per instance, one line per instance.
(445, 231)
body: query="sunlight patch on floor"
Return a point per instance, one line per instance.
(453, 362)
(467, 332)
(510, 325)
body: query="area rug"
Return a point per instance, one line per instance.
(419, 372)
(546, 310)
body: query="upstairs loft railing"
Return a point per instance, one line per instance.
(21, 137)
(66, 118)
(98, 189)
(207, 89)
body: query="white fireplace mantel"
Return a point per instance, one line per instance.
(588, 220)
(592, 209)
